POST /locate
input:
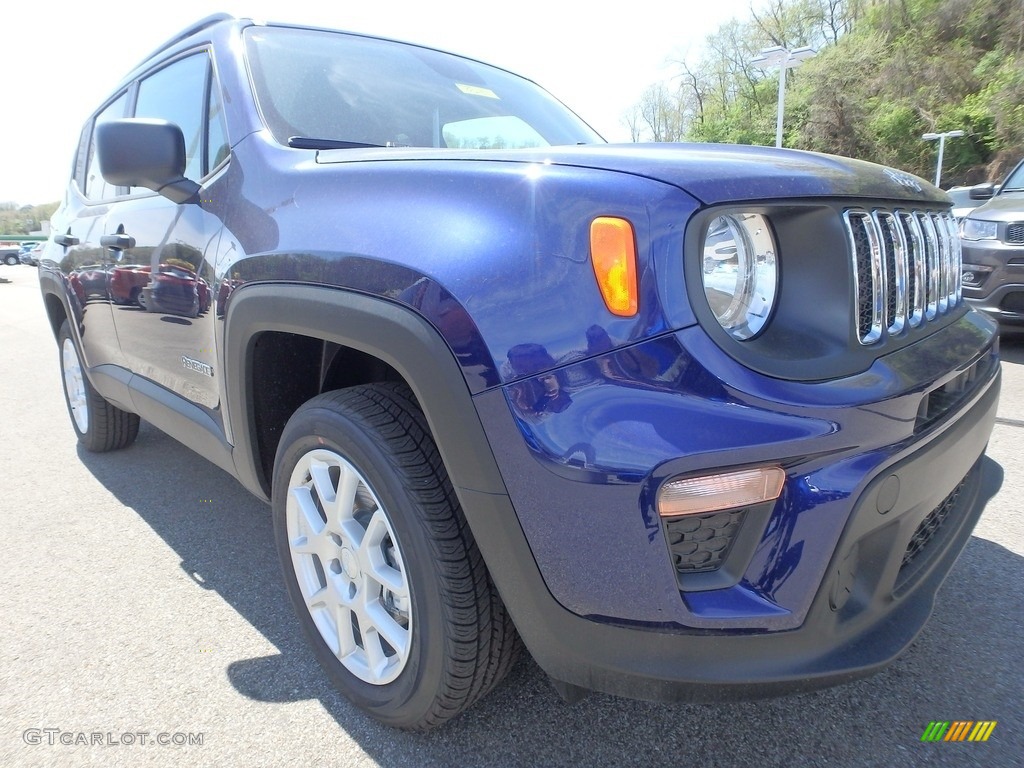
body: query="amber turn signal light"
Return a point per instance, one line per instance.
(613, 256)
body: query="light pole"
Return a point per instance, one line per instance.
(778, 56)
(942, 148)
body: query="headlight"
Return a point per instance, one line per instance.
(739, 272)
(975, 229)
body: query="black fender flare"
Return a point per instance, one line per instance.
(385, 329)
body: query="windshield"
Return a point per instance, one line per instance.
(1015, 181)
(961, 196)
(322, 89)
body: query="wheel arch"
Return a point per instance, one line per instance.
(55, 303)
(390, 332)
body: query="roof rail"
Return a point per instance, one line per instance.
(199, 26)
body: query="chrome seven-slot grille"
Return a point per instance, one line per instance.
(906, 267)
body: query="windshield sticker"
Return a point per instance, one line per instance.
(476, 90)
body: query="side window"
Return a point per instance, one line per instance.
(177, 93)
(217, 143)
(78, 166)
(95, 187)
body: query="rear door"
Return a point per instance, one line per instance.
(84, 263)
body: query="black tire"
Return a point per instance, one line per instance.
(99, 425)
(458, 639)
(11, 260)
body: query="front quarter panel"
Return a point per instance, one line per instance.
(495, 254)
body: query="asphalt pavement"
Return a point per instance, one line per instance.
(143, 622)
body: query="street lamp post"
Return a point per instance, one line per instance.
(778, 56)
(942, 148)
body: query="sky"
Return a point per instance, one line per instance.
(595, 57)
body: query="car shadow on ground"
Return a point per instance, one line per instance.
(965, 666)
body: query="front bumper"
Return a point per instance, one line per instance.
(997, 287)
(844, 577)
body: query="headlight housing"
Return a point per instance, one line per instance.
(739, 272)
(976, 229)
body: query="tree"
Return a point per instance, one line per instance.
(661, 113)
(887, 72)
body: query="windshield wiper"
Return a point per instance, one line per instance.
(304, 142)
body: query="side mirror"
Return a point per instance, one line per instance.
(146, 153)
(982, 191)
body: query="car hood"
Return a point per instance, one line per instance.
(713, 173)
(1006, 207)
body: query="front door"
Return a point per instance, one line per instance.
(162, 282)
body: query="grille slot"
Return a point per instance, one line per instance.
(941, 401)
(906, 269)
(1015, 234)
(699, 543)
(931, 525)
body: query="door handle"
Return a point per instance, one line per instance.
(66, 240)
(118, 242)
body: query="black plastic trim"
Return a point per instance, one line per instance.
(387, 330)
(51, 286)
(737, 558)
(187, 423)
(113, 383)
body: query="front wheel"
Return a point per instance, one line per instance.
(379, 562)
(11, 260)
(99, 425)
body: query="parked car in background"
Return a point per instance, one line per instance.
(9, 255)
(32, 255)
(689, 421)
(992, 236)
(27, 246)
(963, 203)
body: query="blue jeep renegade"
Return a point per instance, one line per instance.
(687, 421)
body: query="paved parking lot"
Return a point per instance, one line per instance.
(140, 601)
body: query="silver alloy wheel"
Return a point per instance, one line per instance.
(74, 385)
(349, 567)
